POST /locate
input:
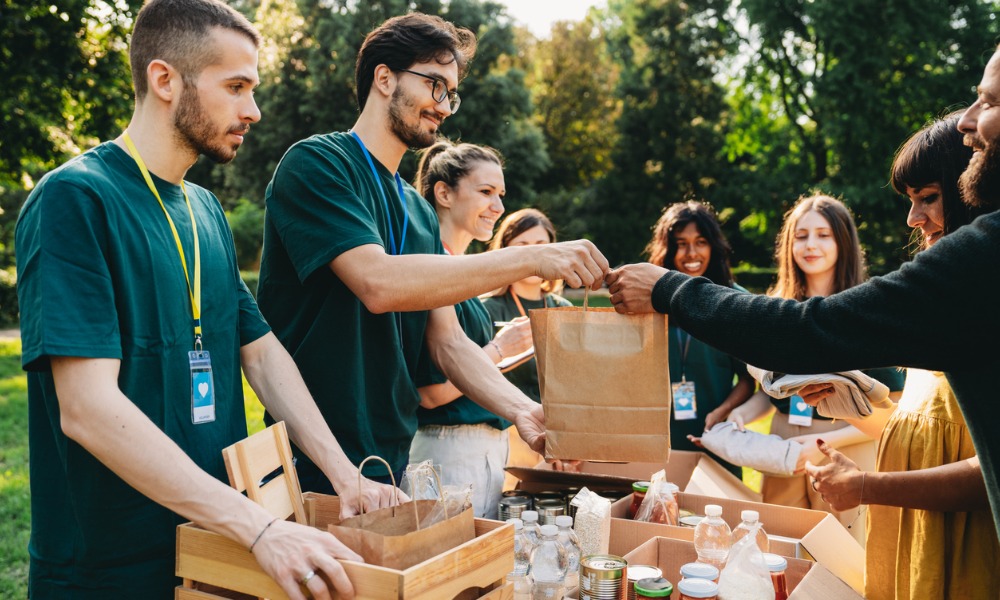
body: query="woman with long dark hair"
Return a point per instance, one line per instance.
(688, 238)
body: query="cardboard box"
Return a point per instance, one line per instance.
(480, 564)
(806, 580)
(794, 532)
(693, 472)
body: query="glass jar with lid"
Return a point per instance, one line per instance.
(698, 589)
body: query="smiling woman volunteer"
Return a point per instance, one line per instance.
(707, 384)
(465, 184)
(818, 254)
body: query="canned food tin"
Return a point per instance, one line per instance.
(511, 507)
(691, 521)
(637, 572)
(603, 577)
(548, 510)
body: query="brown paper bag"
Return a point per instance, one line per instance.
(605, 384)
(391, 537)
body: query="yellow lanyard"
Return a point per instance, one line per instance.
(194, 294)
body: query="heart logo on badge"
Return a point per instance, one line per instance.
(801, 406)
(683, 402)
(203, 389)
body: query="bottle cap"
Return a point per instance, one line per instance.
(529, 516)
(564, 521)
(750, 515)
(697, 570)
(775, 562)
(549, 530)
(654, 587)
(518, 523)
(698, 588)
(640, 486)
(711, 510)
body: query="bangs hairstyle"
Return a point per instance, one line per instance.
(450, 163)
(174, 31)
(514, 225)
(414, 38)
(850, 269)
(936, 154)
(662, 249)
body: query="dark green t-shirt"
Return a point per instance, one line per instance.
(360, 367)
(478, 326)
(503, 308)
(99, 276)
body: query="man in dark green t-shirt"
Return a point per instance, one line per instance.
(135, 324)
(353, 276)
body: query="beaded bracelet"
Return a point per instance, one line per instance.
(257, 539)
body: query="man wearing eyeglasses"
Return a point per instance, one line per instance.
(354, 279)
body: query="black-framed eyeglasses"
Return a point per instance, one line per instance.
(439, 91)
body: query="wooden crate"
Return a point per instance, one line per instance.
(480, 564)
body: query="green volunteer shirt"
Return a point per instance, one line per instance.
(360, 367)
(99, 276)
(503, 308)
(478, 326)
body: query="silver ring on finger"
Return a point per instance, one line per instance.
(305, 578)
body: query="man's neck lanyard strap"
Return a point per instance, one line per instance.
(385, 200)
(195, 292)
(684, 341)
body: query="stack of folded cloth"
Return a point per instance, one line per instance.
(854, 393)
(767, 453)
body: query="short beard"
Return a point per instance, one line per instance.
(980, 183)
(196, 130)
(411, 135)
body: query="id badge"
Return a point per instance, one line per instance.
(799, 413)
(685, 406)
(202, 387)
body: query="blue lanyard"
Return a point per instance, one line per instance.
(684, 341)
(385, 201)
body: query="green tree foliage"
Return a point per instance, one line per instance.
(670, 133)
(851, 80)
(64, 69)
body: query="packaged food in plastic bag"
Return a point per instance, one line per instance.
(746, 575)
(660, 503)
(420, 481)
(592, 522)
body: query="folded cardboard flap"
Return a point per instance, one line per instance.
(833, 546)
(820, 584)
(691, 471)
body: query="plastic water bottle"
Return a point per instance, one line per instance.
(567, 537)
(751, 519)
(548, 566)
(522, 549)
(531, 527)
(712, 537)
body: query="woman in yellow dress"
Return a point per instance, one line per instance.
(930, 531)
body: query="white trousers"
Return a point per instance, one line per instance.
(475, 454)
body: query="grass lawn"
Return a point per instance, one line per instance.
(15, 509)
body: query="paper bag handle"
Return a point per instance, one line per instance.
(444, 505)
(361, 500)
(586, 298)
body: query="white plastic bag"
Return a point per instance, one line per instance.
(746, 576)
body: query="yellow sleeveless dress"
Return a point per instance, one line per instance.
(919, 553)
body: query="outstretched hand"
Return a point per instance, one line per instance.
(578, 263)
(631, 287)
(299, 557)
(814, 393)
(839, 481)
